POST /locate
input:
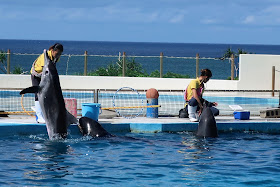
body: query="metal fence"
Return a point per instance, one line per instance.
(84, 64)
(171, 101)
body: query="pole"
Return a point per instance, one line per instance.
(273, 80)
(8, 61)
(232, 66)
(85, 65)
(161, 65)
(124, 66)
(197, 65)
(95, 98)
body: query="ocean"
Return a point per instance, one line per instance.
(178, 57)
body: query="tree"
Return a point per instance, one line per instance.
(133, 69)
(241, 51)
(228, 53)
(3, 59)
(110, 70)
(3, 65)
(18, 70)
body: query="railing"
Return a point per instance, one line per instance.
(73, 64)
(171, 101)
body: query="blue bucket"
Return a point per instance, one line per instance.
(91, 110)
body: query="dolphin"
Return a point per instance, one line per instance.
(207, 124)
(90, 127)
(52, 102)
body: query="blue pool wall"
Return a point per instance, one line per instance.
(239, 125)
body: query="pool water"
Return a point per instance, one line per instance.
(252, 104)
(160, 159)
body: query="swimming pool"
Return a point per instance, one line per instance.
(252, 104)
(135, 159)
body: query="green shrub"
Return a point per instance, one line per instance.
(174, 75)
(17, 70)
(235, 78)
(3, 59)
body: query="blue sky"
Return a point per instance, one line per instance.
(180, 21)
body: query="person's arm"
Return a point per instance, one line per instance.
(40, 63)
(211, 103)
(197, 98)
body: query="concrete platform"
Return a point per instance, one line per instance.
(27, 125)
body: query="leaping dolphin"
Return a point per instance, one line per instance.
(90, 127)
(207, 124)
(52, 102)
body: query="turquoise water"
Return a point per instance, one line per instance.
(162, 159)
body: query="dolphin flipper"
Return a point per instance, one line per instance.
(70, 118)
(32, 89)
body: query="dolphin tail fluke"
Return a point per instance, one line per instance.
(32, 89)
(70, 118)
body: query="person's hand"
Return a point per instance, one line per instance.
(215, 104)
(200, 111)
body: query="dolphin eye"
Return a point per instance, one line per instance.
(47, 72)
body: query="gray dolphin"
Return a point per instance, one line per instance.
(207, 124)
(90, 127)
(52, 102)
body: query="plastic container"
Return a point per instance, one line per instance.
(242, 115)
(71, 106)
(91, 110)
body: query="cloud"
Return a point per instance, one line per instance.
(272, 10)
(209, 21)
(249, 19)
(164, 11)
(7, 14)
(268, 16)
(121, 12)
(177, 18)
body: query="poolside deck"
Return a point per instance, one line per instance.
(25, 124)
